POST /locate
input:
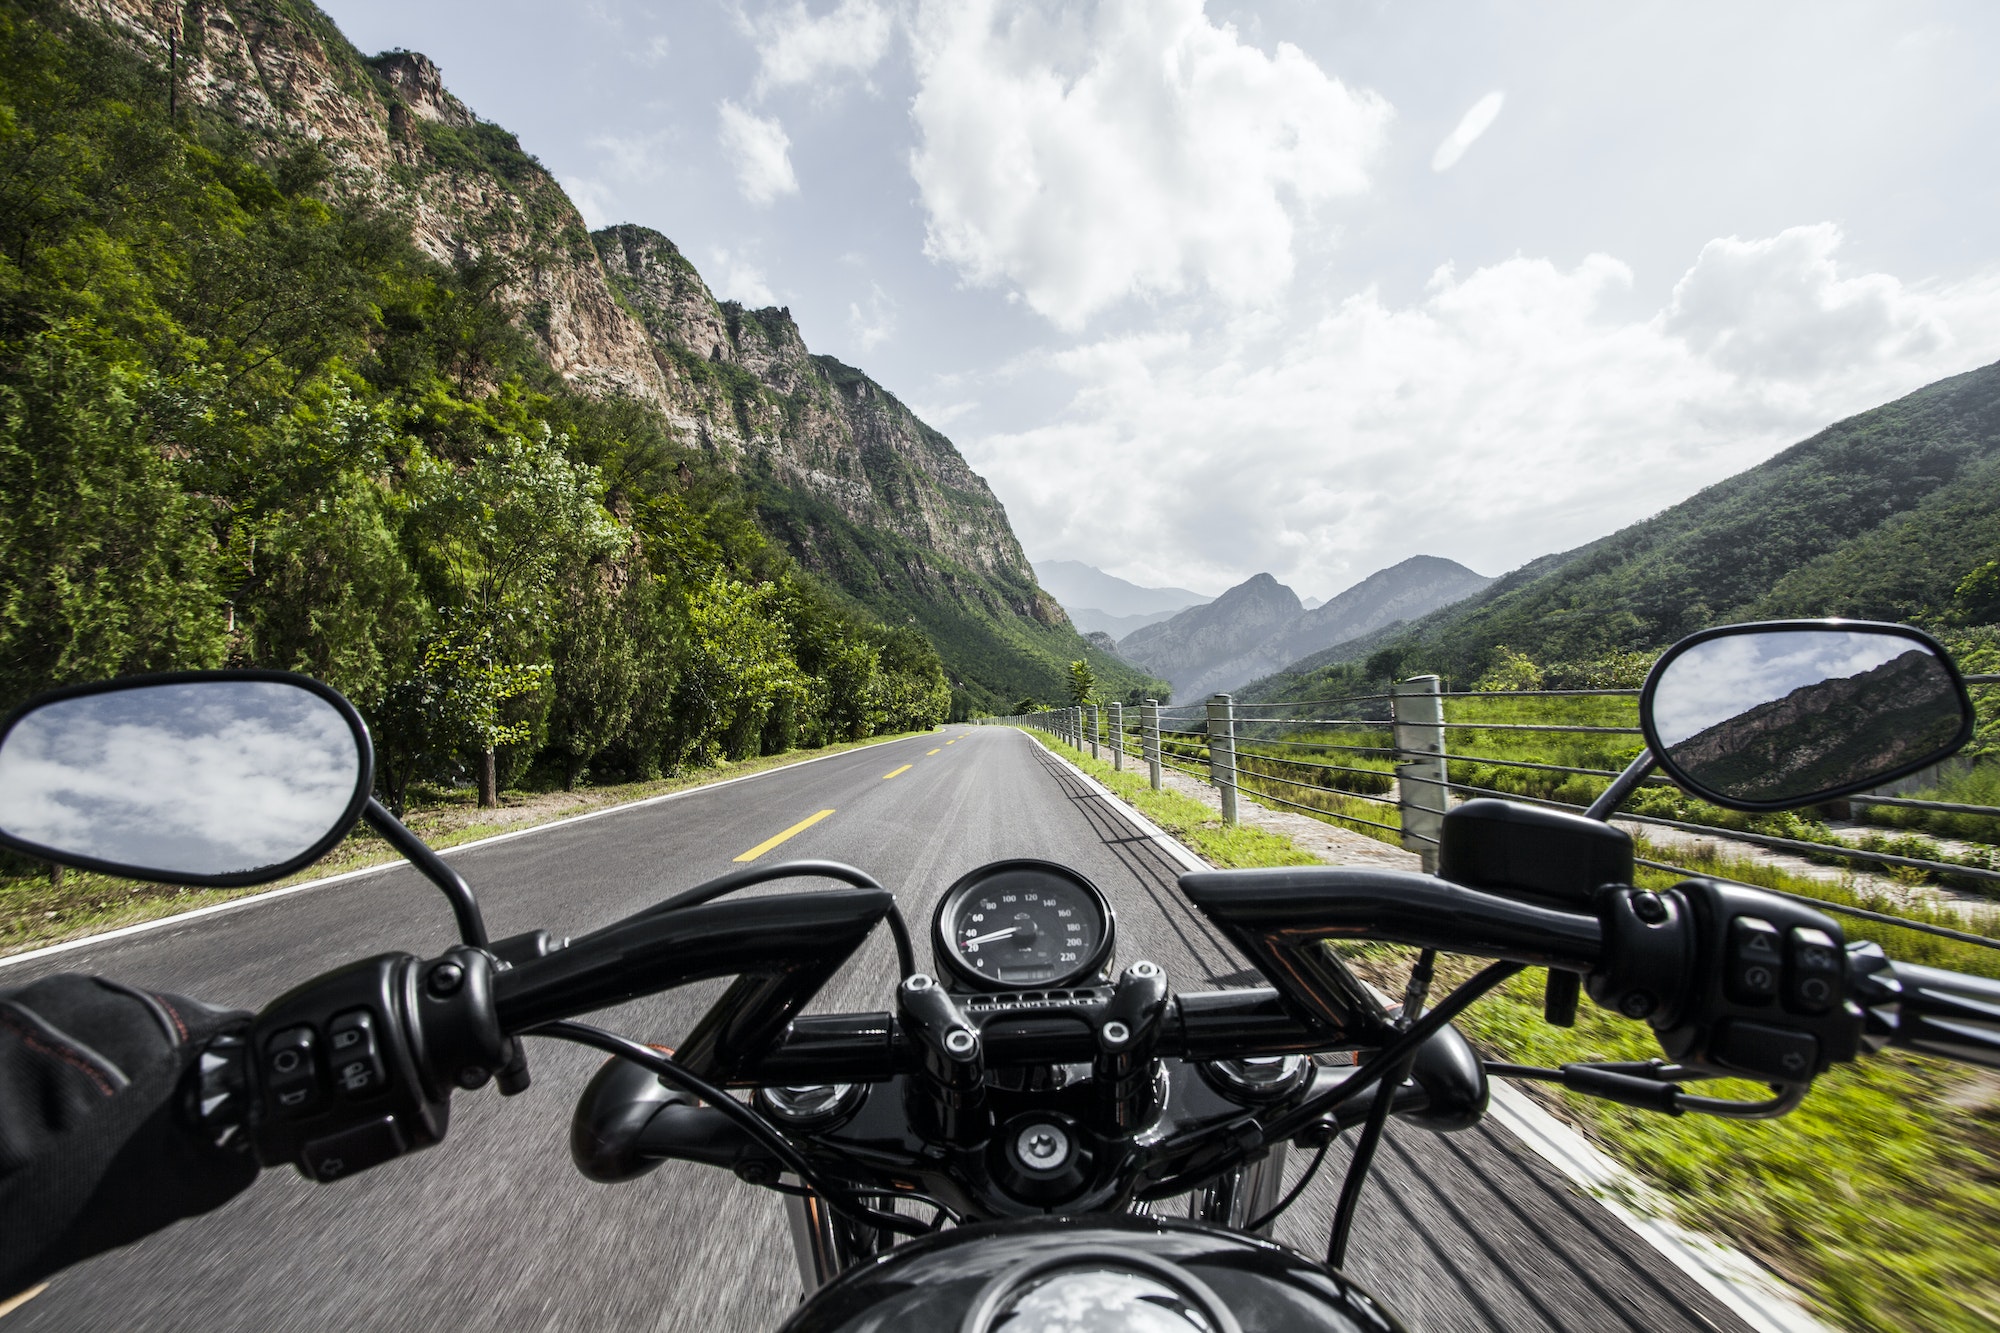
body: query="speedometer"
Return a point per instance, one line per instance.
(1021, 923)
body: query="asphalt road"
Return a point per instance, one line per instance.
(495, 1229)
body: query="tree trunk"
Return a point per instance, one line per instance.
(570, 765)
(489, 780)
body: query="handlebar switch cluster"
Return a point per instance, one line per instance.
(358, 1066)
(1762, 989)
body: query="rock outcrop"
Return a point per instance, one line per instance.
(844, 474)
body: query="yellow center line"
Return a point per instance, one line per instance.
(14, 1303)
(904, 769)
(929, 753)
(769, 843)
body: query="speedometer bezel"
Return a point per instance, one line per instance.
(944, 951)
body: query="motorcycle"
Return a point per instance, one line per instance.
(1030, 1137)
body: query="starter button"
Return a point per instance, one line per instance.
(1813, 984)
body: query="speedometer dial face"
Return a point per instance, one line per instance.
(1022, 923)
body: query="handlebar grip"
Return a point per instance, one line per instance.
(1949, 1014)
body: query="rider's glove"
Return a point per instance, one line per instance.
(95, 1149)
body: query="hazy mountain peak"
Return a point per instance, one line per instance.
(1260, 624)
(1086, 588)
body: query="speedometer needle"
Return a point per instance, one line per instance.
(996, 935)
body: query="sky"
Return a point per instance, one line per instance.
(1304, 287)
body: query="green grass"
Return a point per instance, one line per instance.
(1879, 1198)
(1198, 827)
(36, 911)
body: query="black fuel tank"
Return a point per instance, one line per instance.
(1079, 1270)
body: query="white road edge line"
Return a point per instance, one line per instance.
(1753, 1293)
(234, 904)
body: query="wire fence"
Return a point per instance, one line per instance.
(1379, 764)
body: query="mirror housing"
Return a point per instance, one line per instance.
(1781, 714)
(214, 779)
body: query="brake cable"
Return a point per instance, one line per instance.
(1300, 1118)
(1363, 1157)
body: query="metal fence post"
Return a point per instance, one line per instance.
(1421, 794)
(1149, 738)
(1222, 752)
(1096, 727)
(1118, 737)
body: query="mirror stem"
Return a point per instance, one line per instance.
(1621, 786)
(471, 925)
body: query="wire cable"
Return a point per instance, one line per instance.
(1292, 1196)
(674, 1072)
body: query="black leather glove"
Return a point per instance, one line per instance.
(95, 1147)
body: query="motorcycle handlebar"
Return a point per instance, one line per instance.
(869, 1047)
(1948, 1014)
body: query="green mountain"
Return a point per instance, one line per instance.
(839, 473)
(1893, 514)
(854, 485)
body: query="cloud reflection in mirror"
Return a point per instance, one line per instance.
(199, 778)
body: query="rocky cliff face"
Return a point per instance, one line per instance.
(1827, 735)
(743, 384)
(858, 488)
(395, 135)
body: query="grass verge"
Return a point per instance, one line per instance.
(1879, 1198)
(37, 910)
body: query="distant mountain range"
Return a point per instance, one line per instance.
(1098, 602)
(1260, 625)
(1892, 514)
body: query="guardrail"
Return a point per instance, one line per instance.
(1379, 763)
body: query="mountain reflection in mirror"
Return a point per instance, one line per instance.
(199, 778)
(1788, 714)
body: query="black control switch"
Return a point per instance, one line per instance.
(1812, 984)
(1756, 961)
(1779, 1054)
(291, 1071)
(338, 1156)
(355, 1056)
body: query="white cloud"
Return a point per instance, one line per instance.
(874, 324)
(1504, 414)
(1474, 123)
(761, 153)
(592, 199)
(794, 48)
(739, 279)
(654, 52)
(1779, 307)
(1136, 150)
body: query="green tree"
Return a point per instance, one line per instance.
(473, 686)
(1082, 680)
(594, 680)
(107, 564)
(1510, 671)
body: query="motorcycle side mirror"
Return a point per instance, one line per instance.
(1791, 713)
(213, 779)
